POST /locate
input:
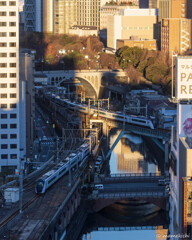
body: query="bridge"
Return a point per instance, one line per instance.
(119, 187)
(91, 79)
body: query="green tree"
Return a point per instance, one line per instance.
(156, 72)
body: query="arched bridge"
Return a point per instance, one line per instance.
(86, 77)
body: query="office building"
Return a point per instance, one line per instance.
(175, 35)
(106, 11)
(26, 74)
(130, 23)
(88, 12)
(12, 99)
(51, 16)
(187, 206)
(144, 44)
(169, 8)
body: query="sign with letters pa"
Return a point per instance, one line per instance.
(183, 80)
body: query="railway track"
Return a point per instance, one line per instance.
(14, 214)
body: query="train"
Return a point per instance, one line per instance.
(75, 158)
(118, 116)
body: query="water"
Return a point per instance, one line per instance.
(133, 219)
(131, 155)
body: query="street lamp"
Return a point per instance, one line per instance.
(87, 57)
(123, 64)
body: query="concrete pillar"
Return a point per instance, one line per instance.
(166, 162)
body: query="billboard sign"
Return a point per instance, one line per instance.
(185, 122)
(183, 77)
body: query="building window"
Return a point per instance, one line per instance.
(12, 24)
(3, 75)
(3, 24)
(13, 156)
(13, 146)
(3, 14)
(12, 65)
(4, 146)
(12, 3)
(13, 125)
(4, 156)
(3, 65)
(3, 44)
(3, 34)
(13, 95)
(13, 115)
(3, 105)
(12, 14)
(3, 136)
(3, 126)
(13, 136)
(12, 44)
(12, 34)
(13, 85)
(3, 54)
(3, 95)
(13, 105)
(13, 75)
(3, 116)
(3, 3)
(12, 54)
(3, 85)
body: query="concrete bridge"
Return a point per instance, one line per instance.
(130, 186)
(91, 79)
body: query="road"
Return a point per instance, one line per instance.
(44, 144)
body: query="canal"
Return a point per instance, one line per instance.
(133, 219)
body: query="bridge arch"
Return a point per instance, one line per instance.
(90, 88)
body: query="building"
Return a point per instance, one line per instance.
(52, 16)
(12, 99)
(181, 153)
(130, 2)
(88, 12)
(30, 15)
(169, 8)
(64, 15)
(83, 31)
(106, 11)
(26, 73)
(187, 206)
(130, 23)
(142, 43)
(175, 35)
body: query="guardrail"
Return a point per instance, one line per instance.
(113, 175)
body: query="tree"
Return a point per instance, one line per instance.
(156, 72)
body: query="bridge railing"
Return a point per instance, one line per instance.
(113, 175)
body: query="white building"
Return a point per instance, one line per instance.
(12, 146)
(130, 23)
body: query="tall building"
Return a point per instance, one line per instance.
(181, 149)
(169, 8)
(88, 12)
(139, 23)
(106, 11)
(29, 15)
(53, 16)
(26, 74)
(12, 139)
(175, 35)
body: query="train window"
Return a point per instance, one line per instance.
(137, 120)
(51, 180)
(62, 171)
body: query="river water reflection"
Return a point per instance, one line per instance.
(131, 155)
(130, 219)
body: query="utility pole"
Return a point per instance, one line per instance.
(21, 182)
(69, 184)
(57, 159)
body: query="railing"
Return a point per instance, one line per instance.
(113, 175)
(127, 228)
(124, 195)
